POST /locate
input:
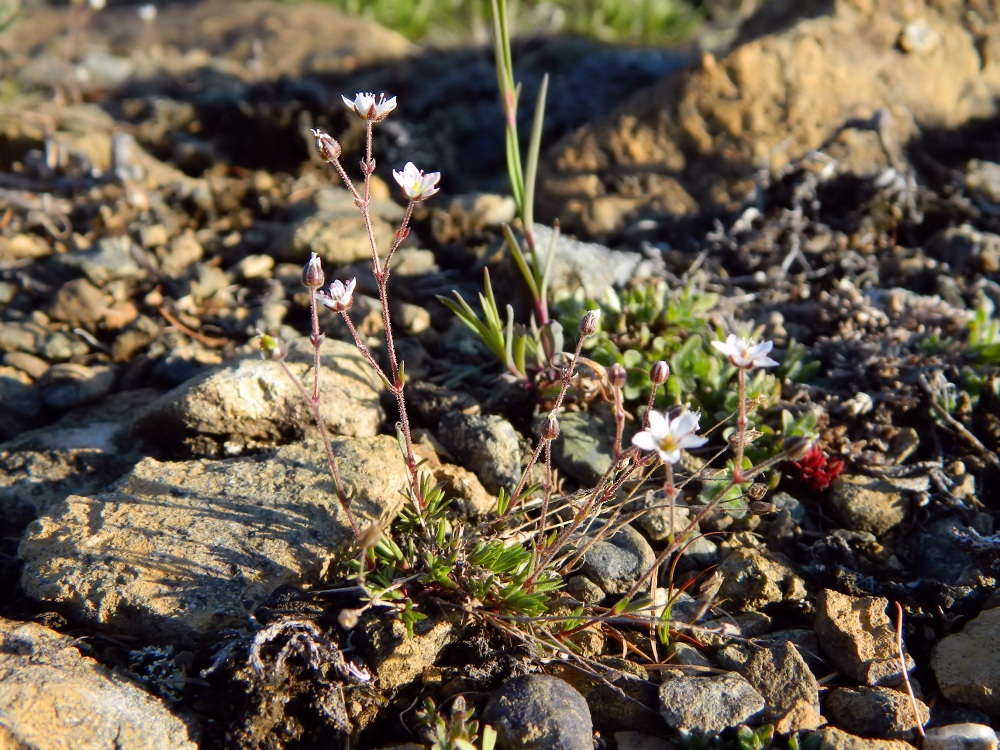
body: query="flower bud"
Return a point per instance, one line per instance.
(326, 146)
(617, 375)
(796, 447)
(588, 326)
(348, 618)
(271, 347)
(312, 274)
(659, 372)
(551, 429)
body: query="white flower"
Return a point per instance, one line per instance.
(147, 13)
(341, 295)
(367, 108)
(416, 185)
(744, 353)
(668, 437)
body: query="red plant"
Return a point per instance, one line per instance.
(815, 468)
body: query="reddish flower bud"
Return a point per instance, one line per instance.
(326, 146)
(617, 375)
(659, 372)
(312, 274)
(551, 429)
(588, 325)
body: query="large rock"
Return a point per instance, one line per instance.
(52, 697)
(252, 403)
(695, 139)
(180, 550)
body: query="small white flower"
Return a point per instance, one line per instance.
(97, 5)
(744, 353)
(668, 437)
(147, 13)
(416, 184)
(367, 108)
(341, 295)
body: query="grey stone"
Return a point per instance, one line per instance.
(67, 385)
(862, 503)
(395, 657)
(180, 550)
(78, 302)
(488, 445)
(882, 713)
(53, 697)
(583, 449)
(967, 664)
(960, 737)
(831, 738)
(538, 712)
(617, 562)
(708, 703)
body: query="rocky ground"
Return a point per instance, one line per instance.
(172, 555)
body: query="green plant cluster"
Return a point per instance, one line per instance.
(456, 730)
(614, 21)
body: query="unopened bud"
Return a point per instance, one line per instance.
(757, 491)
(271, 347)
(551, 429)
(588, 326)
(761, 508)
(312, 274)
(617, 375)
(796, 447)
(659, 372)
(326, 146)
(348, 618)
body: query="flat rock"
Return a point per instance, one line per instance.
(180, 550)
(967, 664)
(82, 453)
(52, 697)
(857, 636)
(708, 703)
(960, 737)
(488, 446)
(538, 712)
(252, 403)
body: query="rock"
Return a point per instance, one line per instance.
(53, 697)
(831, 738)
(639, 741)
(960, 737)
(692, 143)
(583, 449)
(858, 637)
(686, 655)
(751, 580)
(67, 385)
(180, 550)
(967, 664)
(469, 498)
(594, 268)
(20, 402)
(335, 230)
(654, 507)
(537, 712)
(862, 503)
(617, 562)
(488, 445)
(465, 216)
(620, 697)
(80, 454)
(395, 657)
(779, 673)
(110, 259)
(252, 403)
(938, 552)
(78, 302)
(708, 704)
(882, 713)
